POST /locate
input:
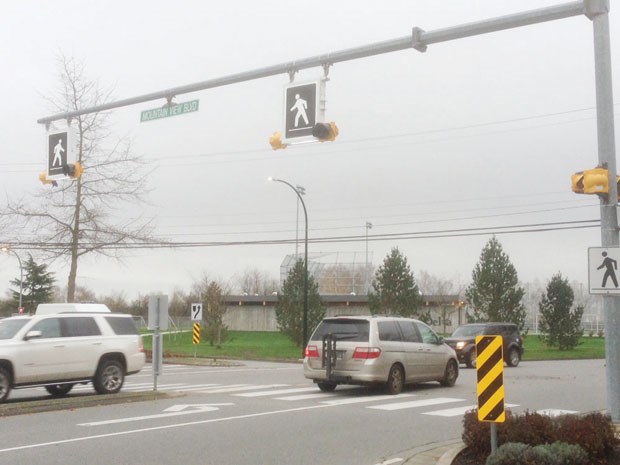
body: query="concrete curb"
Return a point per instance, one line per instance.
(450, 454)
(440, 454)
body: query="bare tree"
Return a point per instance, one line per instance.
(85, 215)
(253, 281)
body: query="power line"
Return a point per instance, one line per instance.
(433, 234)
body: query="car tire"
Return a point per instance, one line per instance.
(450, 375)
(326, 386)
(471, 358)
(514, 357)
(5, 384)
(396, 380)
(109, 377)
(59, 390)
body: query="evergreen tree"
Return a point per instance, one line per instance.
(561, 324)
(37, 287)
(290, 306)
(395, 291)
(216, 331)
(494, 293)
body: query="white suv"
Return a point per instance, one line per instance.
(57, 351)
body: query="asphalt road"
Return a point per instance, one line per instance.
(268, 413)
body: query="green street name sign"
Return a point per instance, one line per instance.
(169, 110)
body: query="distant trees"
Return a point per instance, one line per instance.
(394, 290)
(252, 281)
(290, 305)
(211, 294)
(37, 286)
(494, 292)
(561, 322)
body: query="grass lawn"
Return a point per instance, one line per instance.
(249, 345)
(257, 345)
(589, 347)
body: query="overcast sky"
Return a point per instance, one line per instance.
(481, 132)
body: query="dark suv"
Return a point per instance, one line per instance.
(463, 341)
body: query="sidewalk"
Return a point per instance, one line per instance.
(441, 454)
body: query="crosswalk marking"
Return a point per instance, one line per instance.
(318, 395)
(554, 412)
(276, 393)
(239, 387)
(458, 411)
(415, 403)
(357, 400)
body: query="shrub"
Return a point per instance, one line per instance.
(508, 454)
(594, 432)
(529, 428)
(558, 453)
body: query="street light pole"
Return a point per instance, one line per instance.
(305, 314)
(302, 191)
(21, 274)
(368, 226)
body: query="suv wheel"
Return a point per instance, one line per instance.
(471, 358)
(5, 384)
(109, 377)
(395, 380)
(513, 357)
(326, 386)
(450, 375)
(59, 390)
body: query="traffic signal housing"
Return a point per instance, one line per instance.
(593, 181)
(73, 170)
(325, 131)
(276, 141)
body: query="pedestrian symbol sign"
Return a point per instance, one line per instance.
(302, 110)
(60, 152)
(603, 270)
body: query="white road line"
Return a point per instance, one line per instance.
(356, 400)
(276, 393)
(458, 411)
(415, 403)
(240, 387)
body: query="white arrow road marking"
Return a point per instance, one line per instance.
(174, 411)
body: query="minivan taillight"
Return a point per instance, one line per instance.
(141, 345)
(366, 353)
(312, 352)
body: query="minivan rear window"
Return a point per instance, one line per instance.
(345, 330)
(122, 325)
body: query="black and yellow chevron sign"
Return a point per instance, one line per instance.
(196, 337)
(490, 372)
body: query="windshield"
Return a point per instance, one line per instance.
(468, 331)
(9, 327)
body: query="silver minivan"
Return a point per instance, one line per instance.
(387, 350)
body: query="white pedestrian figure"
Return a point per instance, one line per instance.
(300, 105)
(58, 149)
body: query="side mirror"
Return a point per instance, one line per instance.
(33, 335)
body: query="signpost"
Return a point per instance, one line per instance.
(490, 388)
(196, 315)
(302, 110)
(158, 320)
(169, 110)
